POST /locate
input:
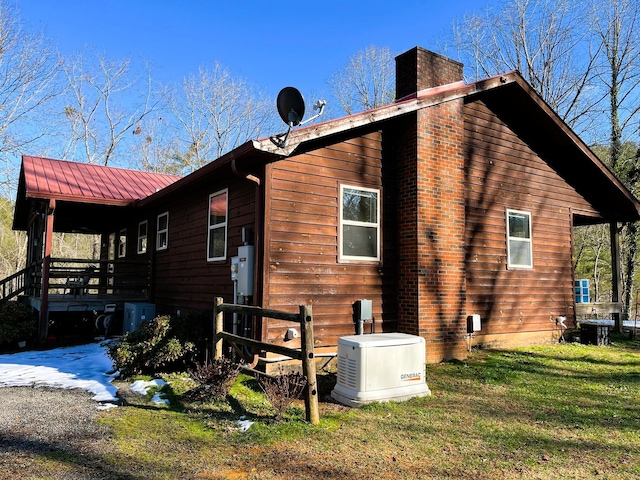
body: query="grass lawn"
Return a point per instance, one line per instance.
(567, 411)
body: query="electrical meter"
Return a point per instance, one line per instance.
(234, 268)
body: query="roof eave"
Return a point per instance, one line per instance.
(75, 199)
(410, 103)
(579, 144)
(247, 149)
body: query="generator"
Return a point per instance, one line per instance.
(380, 367)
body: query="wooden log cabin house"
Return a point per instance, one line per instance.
(457, 199)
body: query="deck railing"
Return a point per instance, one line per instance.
(74, 276)
(19, 282)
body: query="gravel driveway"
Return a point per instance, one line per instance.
(51, 423)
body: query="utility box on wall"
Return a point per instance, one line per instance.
(245, 270)
(380, 367)
(135, 314)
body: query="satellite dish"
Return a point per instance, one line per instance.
(290, 104)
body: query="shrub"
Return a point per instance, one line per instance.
(195, 328)
(282, 390)
(215, 379)
(17, 323)
(152, 348)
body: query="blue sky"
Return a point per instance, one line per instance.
(268, 43)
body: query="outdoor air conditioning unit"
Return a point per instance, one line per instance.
(380, 367)
(135, 314)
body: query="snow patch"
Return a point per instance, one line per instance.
(83, 366)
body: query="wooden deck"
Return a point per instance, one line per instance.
(83, 303)
(75, 286)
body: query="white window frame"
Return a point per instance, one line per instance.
(211, 228)
(122, 243)
(377, 225)
(528, 241)
(142, 239)
(160, 232)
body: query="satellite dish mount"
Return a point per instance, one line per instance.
(291, 108)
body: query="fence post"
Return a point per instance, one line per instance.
(309, 365)
(218, 327)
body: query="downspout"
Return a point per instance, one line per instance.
(43, 327)
(257, 233)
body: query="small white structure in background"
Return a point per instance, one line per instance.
(380, 367)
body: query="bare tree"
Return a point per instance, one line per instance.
(105, 104)
(13, 245)
(616, 24)
(366, 81)
(155, 150)
(28, 72)
(216, 113)
(545, 40)
(592, 259)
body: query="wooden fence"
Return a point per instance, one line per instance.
(305, 354)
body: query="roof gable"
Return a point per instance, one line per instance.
(523, 109)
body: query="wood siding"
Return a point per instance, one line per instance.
(301, 259)
(502, 172)
(184, 277)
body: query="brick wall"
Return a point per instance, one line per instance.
(407, 207)
(431, 216)
(431, 222)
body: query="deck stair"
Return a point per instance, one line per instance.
(16, 283)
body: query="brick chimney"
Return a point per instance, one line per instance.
(431, 254)
(418, 69)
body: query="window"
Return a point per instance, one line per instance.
(111, 249)
(519, 248)
(122, 243)
(142, 236)
(359, 223)
(582, 291)
(162, 236)
(217, 238)
(111, 255)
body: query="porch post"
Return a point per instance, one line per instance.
(616, 278)
(46, 265)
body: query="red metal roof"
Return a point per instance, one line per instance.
(83, 182)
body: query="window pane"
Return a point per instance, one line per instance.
(162, 222)
(111, 255)
(217, 243)
(122, 243)
(520, 252)
(360, 241)
(359, 206)
(162, 240)
(218, 209)
(518, 225)
(142, 237)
